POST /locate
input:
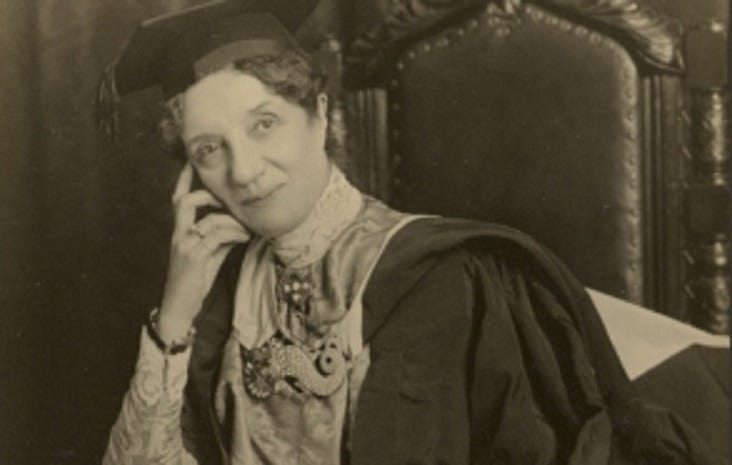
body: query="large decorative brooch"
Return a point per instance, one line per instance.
(318, 372)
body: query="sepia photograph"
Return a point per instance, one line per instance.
(365, 232)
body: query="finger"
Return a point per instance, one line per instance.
(185, 212)
(192, 239)
(188, 242)
(183, 184)
(223, 236)
(198, 198)
(216, 220)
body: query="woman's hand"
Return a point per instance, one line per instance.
(196, 252)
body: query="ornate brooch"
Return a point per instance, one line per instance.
(317, 368)
(319, 372)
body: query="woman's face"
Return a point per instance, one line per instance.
(261, 155)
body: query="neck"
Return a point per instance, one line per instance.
(337, 207)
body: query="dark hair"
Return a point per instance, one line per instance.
(291, 75)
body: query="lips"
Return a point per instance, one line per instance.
(254, 199)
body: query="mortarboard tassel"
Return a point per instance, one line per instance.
(106, 111)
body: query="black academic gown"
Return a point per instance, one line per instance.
(484, 349)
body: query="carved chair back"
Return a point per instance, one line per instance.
(563, 121)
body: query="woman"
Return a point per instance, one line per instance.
(303, 322)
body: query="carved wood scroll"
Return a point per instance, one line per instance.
(652, 38)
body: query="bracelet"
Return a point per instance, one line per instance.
(175, 347)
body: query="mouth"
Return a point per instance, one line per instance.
(253, 200)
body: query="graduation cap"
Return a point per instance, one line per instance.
(175, 50)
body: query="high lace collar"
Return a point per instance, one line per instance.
(336, 208)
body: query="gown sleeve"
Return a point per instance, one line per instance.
(542, 340)
(148, 428)
(491, 358)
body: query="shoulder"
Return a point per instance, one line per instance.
(421, 241)
(455, 256)
(447, 246)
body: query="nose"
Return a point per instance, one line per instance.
(246, 163)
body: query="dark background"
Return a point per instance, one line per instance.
(84, 227)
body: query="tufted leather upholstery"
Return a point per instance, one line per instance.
(533, 121)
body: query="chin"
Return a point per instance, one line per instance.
(273, 223)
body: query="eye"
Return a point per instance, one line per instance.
(265, 124)
(201, 151)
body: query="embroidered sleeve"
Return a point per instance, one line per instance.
(148, 428)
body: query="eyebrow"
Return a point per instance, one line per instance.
(261, 106)
(255, 109)
(200, 137)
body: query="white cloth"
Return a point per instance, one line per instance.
(644, 338)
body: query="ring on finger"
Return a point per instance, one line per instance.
(194, 229)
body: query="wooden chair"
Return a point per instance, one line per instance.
(577, 122)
